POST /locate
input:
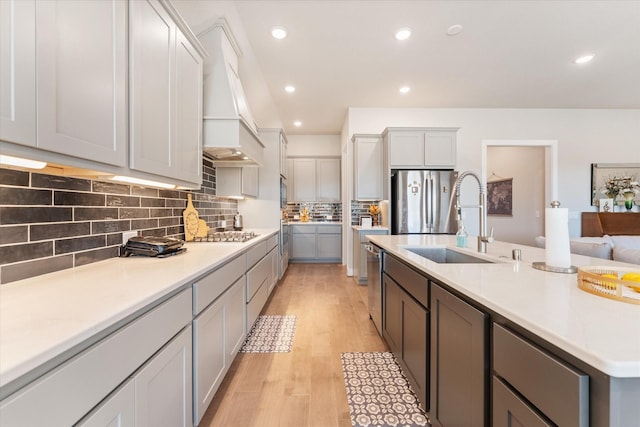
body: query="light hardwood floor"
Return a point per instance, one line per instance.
(304, 387)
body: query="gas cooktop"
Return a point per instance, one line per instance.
(227, 236)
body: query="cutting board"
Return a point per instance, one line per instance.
(191, 220)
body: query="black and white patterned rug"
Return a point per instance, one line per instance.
(270, 334)
(379, 394)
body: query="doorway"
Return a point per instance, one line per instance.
(530, 169)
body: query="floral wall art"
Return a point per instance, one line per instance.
(616, 183)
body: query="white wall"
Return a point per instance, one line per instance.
(584, 137)
(313, 146)
(525, 165)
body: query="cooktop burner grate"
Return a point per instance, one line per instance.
(227, 236)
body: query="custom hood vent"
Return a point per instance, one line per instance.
(230, 136)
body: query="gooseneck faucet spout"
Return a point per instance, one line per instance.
(483, 239)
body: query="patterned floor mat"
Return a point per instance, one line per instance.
(378, 393)
(270, 334)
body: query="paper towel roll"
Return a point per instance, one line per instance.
(384, 212)
(558, 252)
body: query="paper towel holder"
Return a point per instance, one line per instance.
(543, 265)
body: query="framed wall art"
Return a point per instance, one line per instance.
(500, 197)
(607, 179)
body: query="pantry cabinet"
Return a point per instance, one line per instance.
(368, 167)
(421, 148)
(166, 95)
(314, 180)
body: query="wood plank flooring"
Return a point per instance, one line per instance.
(304, 387)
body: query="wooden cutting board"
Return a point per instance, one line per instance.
(191, 220)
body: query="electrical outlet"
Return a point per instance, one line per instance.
(329, 217)
(127, 235)
(223, 223)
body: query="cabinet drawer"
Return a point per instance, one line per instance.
(210, 287)
(77, 386)
(256, 253)
(556, 389)
(272, 242)
(256, 276)
(329, 229)
(303, 229)
(509, 410)
(364, 235)
(413, 282)
(254, 307)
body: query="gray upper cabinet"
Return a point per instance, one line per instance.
(421, 148)
(314, 180)
(18, 72)
(368, 167)
(237, 182)
(85, 86)
(166, 95)
(64, 71)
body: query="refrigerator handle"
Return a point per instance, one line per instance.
(428, 200)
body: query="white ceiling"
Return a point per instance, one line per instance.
(510, 54)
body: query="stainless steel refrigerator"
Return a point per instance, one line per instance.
(421, 202)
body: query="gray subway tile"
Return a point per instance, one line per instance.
(14, 234)
(111, 188)
(88, 257)
(60, 182)
(120, 200)
(71, 198)
(25, 251)
(125, 213)
(27, 215)
(14, 177)
(100, 227)
(66, 246)
(57, 231)
(141, 224)
(11, 196)
(94, 214)
(24, 270)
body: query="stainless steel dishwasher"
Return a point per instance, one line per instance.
(374, 272)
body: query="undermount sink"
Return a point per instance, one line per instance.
(447, 256)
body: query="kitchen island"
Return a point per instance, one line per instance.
(523, 311)
(105, 319)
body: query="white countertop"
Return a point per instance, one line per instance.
(374, 227)
(314, 223)
(44, 316)
(601, 332)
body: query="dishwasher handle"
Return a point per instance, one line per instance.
(372, 250)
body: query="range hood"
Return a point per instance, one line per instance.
(230, 136)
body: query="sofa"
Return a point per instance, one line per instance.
(617, 248)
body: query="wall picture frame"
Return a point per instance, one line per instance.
(500, 197)
(602, 172)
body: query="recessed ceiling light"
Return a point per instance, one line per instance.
(297, 123)
(405, 89)
(290, 89)
(584, 59)
(279, 32)
(454, 30)
(403, 33)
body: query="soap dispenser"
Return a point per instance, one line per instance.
(461, 235)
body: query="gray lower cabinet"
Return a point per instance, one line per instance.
(406, 324)
(316, 243)
(459, 374)
(560, 395)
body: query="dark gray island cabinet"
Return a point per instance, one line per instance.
(471, 366)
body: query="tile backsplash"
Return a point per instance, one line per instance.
(50, 222)
(318, 211)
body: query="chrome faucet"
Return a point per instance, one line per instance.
(483, 239)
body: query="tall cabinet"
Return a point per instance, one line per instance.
(368, 167)
(166, 95)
